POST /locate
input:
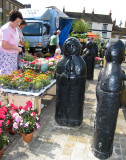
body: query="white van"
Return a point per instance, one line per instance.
(37, 33)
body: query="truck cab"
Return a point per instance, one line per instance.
(37, 33)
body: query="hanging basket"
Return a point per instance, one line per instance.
(28, 137)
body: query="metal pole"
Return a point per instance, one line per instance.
(120, 28)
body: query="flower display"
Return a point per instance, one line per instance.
(26, 80)
(98, 60)
(25, 120)
(32, 76)
(4, 123)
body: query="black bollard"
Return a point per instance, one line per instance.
(95, 47)
(70, 85)
(89, 57)
(108, 93)
(101, 50)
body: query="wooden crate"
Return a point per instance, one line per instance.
(20, 100)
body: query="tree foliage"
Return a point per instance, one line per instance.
(80, 27)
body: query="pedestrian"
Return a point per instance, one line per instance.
(53, 43)
(21, 42)
(9, 40)
(58, 42)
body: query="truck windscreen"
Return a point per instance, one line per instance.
(32, 29)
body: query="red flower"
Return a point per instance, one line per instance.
(2, 116)
(7, 123)
(25, 107)
(29, 104)
(1, 121)
(0, 130)
(20, 107)
(33, 114)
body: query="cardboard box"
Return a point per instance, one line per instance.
(20, 100)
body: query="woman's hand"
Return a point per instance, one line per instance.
(19, 49)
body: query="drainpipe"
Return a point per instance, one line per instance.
(2, 11)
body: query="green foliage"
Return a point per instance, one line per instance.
(83, 36)
(28, 57)
(3, 140)
(80, 27)
(26, 45)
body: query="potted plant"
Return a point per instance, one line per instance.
(25, 121)
(37, 86)
(97, 61)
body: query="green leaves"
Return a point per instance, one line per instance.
(80, 27)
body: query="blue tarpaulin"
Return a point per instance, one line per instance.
(65, 29)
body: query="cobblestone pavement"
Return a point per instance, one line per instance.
(53, 142)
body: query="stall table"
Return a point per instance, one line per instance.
(19, 98)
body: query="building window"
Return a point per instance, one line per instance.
(7, 5)
(7, 18)
(105, 26)
(90, 25)
(11, 6)
(15, 7)
(104, 34)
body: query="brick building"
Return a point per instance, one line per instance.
(5, 7)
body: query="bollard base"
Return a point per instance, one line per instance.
(102, 155)
(70, 123)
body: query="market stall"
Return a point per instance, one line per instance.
(31, 82)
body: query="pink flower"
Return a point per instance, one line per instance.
(21, 111)
(18, 119)
(37, 125)
(50, 63)
(0, 130)
(1, 121)
(33, 114)
(15, 114)
(26, 124)
(15, 125)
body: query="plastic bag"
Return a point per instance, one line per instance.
(57, 51)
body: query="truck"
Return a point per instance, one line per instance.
(40, 25)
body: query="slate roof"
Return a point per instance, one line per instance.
(91, 17)
(18, 3)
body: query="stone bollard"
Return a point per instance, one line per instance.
(108, 93)
(70, 85)
(89, 57)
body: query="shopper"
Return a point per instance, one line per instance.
(21, 42)
(53, 43)
(9, 40)
(58, 42)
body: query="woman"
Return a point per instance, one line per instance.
(9, 40)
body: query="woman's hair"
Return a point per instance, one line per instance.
(14, 14)
(54, 33)
(23, 22)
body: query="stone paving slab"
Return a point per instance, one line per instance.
(54, 142)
